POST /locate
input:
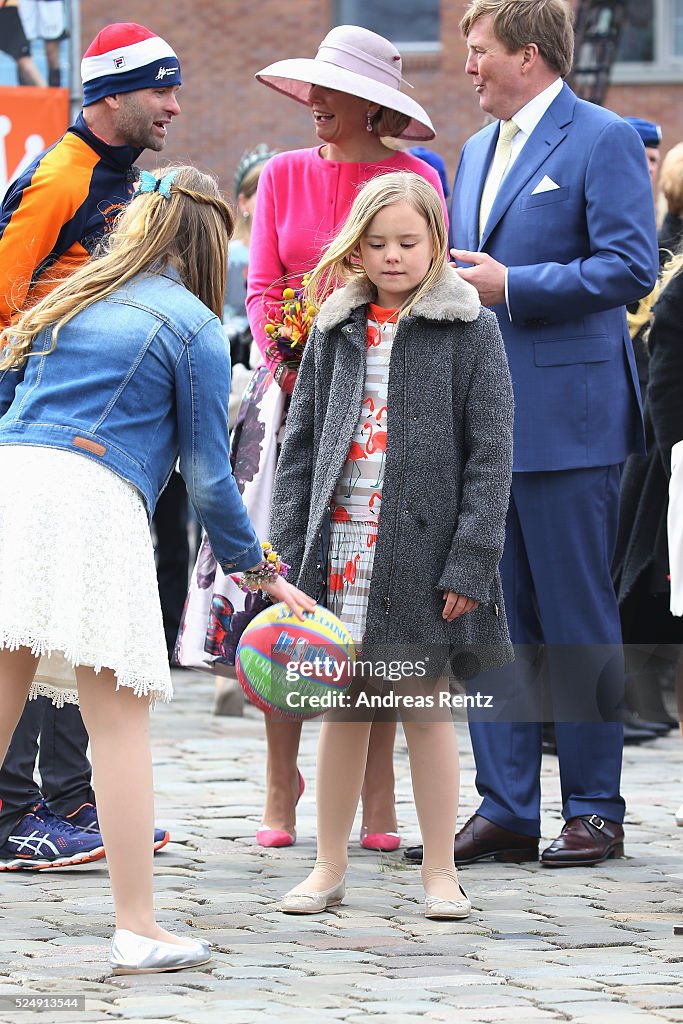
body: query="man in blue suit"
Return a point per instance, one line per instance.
(553, 222)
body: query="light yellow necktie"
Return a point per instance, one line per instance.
(501, 159)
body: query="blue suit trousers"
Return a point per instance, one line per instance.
(563, 618)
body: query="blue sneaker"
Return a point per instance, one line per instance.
(85, 818)
(40, 840)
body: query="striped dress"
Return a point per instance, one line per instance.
(358, 495)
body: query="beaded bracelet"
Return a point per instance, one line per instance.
(273, 566)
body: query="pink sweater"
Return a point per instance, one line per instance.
(302, 202)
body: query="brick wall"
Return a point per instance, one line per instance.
(222, 43)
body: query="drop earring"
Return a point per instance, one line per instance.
(368, 125)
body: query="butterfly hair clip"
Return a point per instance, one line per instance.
(148, 183)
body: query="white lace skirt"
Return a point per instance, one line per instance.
(77, 577)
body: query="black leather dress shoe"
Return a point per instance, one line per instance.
(633, 719)
(636, 730)
(479, 839)
(584, 841)
(635, 734)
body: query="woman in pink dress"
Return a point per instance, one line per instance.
(353, 89)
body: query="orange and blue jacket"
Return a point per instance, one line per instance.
(55, 213)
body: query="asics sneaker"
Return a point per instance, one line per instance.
(41, 839)
(85, 818)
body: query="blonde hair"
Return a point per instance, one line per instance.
(671, 269)
(189, 230)
(341, 262)
(548, 23)
(671, 179)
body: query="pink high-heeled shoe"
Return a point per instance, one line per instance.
(278, 837)
(385, 842)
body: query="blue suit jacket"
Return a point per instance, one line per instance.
(576, 255)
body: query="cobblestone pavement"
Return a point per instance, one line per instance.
(581, 945)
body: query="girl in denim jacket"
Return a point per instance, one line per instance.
(104, 383)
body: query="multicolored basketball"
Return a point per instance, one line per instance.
(295, 667)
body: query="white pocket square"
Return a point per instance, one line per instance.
(546, 184)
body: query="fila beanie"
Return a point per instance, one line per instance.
(124, 57)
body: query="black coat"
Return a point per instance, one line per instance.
(669, 237)
(641, 559)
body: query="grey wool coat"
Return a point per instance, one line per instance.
(447, 470)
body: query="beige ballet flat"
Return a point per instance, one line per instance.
(438, 909)
(313, 902)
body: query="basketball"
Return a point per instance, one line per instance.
(299, 668)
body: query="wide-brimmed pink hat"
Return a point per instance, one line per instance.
(356, 61)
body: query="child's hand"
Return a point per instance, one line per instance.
(456, 605)
(280, 590)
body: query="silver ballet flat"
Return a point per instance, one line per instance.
(313, 902)
(437, 909)
(136, 954)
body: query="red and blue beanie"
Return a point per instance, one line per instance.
(125, 57)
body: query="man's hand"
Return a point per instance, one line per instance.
(487, 275)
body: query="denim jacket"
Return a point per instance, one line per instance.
(135, 380)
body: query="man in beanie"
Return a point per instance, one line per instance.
(54, 214)
(51, 220)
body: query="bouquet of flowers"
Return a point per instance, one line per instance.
(289, 326)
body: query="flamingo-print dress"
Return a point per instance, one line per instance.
(358, 495)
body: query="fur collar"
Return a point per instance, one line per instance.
(451, 298)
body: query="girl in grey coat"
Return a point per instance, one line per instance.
(405, 339)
